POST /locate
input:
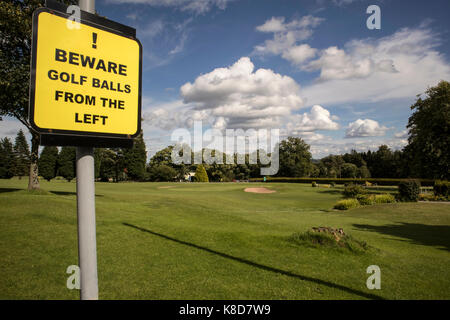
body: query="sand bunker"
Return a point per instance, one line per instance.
(259, 190)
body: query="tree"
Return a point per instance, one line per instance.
(107, 170)
(136, 158)
(162, 173)
(15, 56)
(429, 133)
(349, 170)
(48, 162)
(200, 174)
(7, 159)
(22, 155)
(66, 163)
(295, 158)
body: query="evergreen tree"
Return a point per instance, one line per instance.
(22, 155)
(66, 163)
(48, 162)
(135, 159)
(200, 174)
(7, 159)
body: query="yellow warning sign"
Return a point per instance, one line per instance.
(86, 80)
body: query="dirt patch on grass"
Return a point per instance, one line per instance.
(259, 190)
(166, 187)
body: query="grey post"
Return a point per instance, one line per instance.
(87, 243)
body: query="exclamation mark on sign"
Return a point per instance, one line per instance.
(94, 40)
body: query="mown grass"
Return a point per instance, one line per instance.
(214, 241)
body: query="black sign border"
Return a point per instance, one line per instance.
(74, 137)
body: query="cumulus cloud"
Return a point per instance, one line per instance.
(364, 128)
(318, 118)
(241, 97)
(287, 36)
(393, 67)
(196, 6)
(172, 115)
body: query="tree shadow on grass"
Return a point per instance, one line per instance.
(422, 234)
(4, 190)
(260, 266)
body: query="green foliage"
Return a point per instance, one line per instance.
(429, 138)
(48, 162)
(366, 200)
(349, 170)
(378, 181)
(409, 190)
(7, 159)
(66, 163)
(314, 184)
(441, 188)
(384, 198)
(295, 158)
(333, 184)
(135, 159)
(353, 190)
(346, 204)
(200, 174)
(22, 155)
(162, 173)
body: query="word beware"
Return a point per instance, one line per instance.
(89, 62)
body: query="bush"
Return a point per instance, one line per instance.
(333, 184)
(409, 190)
(200, 174)
(441, 188)
(353, 190)
(384, 198)
(314, 184)
(346, 204)
(366, 200)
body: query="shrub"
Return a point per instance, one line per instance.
(441, 188)
(200, 174)
(346, 204)
(409, 190)
(366, 200)
(384, 198)
(333, 184)
(314, 184)
(352, 190)
(367, 184)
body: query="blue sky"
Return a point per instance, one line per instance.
(310, 68)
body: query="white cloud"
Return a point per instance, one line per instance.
(398, 66)
(318, 118)
(401, 135)
(9, 127)
(299, 54)
(287, 36)
(364, 128)
(243, 97)
(196, 6)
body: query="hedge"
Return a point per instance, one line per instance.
(378, 181)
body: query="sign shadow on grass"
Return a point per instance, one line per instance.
(261, 266)
(422, 234)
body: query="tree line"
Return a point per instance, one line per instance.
(425, 156)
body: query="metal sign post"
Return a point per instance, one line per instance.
(85, 91)
(87, 242)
